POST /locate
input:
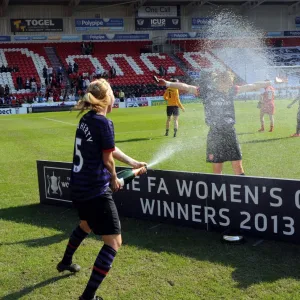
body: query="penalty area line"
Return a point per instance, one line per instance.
(58, 121)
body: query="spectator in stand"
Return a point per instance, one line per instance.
(2, 91)
(54, 82)
(27, 83)
(15, 68)
(33, 87)
(91, 47)
(60, 79)
(6, 90)
(50, 71)
(162, 71)
(40, 98)
(98, 72)
(70, 68)
(121, 96)
(87, 82)
(19, 82)
(9, 69)
(32, 79)
(45, 72)
(59, 70)
(112, 72)
(83, 48)
(50, 98)
(75, 67)
(3, 69)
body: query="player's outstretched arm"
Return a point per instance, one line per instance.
(178, 85)
(124, 158)
(253, 86)
(258, 85)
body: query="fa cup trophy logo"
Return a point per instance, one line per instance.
(54, 185)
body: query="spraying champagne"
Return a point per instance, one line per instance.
(127, 175)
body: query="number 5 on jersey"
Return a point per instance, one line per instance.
(77, 168)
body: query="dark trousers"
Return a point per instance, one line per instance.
(298, 121)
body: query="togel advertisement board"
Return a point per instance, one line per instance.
(36, 25)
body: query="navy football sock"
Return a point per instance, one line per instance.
(77, 236)
(101, 268)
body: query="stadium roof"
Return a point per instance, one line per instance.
(293, 5)
(148, 2)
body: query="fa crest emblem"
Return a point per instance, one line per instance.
(54, 187)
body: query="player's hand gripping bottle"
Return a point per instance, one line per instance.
(127, 175)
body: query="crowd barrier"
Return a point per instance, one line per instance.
(266, 208)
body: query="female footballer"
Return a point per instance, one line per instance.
(218, 93)
(93, 180)
(171, 95)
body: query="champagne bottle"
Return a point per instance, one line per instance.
(127, 175)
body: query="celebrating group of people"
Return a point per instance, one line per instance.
(94, 178)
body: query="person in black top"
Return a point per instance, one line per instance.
(297, 134)
(218, 92)
(93, 180)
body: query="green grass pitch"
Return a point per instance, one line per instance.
(155, 262)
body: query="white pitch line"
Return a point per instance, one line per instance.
(59, 121)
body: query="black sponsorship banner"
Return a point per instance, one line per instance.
(36, 25)
(37, 109)
(157, 23)
(263, 207)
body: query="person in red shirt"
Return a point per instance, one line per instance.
(267, 106)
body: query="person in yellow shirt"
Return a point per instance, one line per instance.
(171, 95)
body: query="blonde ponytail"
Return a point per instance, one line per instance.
(96, 98)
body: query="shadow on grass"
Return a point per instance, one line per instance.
(267, 262)
(137, 140)
(245, 133)
(27, 290)
(266, 140)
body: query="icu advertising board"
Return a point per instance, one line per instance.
(157, 23)
(36, 25)
(262, 207)
(99, 24)
(159, 11)
(201, 23)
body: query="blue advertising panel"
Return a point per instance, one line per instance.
(121, 36)
(201, 23)
(5, 38)
(99, 24)
(71, 38)
(274, 33)
(157, 24)
(186, 35)
(292, 33)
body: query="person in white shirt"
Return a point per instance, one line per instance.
(50, 99)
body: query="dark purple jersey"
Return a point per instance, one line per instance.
(219, 107)
(89, 177)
